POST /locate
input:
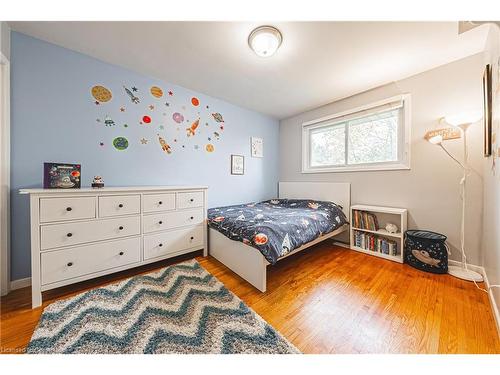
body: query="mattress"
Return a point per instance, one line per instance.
(276, 227)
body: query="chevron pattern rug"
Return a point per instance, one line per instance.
(179, 309)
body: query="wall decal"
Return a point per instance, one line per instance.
(164, 146)
(195, 102)
(156, 91)
(216, 135)
(133, 98)
(151, 107)
(167, 104)
(125, 125)
(257, 147)
(177, 117)
(210, 147)
(144, 141)
(170, 93)
(108, 121)
(122, 109)
(146, 119)
(192, 128)
(217, 117)
(134, 89)
(101, 144)
(101, 94)
(120, 143)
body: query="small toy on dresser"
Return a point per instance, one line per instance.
(97, 182)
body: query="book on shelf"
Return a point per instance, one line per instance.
(365, 220)
(372, 242)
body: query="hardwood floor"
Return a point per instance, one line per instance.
(327, 300)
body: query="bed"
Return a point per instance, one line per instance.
(233, 248)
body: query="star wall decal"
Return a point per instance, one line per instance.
(167, 104)
(122, 109)
(144, 141)
(134, 89)
(151, 107)
(170, 93)
(97, 103)
(101, 144)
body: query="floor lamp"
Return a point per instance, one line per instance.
(463, 122)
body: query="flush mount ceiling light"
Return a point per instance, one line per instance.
(265, 40)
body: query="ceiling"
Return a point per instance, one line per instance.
(318, 62)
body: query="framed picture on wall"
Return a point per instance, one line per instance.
(257, 147)
(487, 97)
(237, 164)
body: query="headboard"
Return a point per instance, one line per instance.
(337, 192)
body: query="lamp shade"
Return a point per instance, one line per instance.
(436, 140)
(464, 118)
(265, 40)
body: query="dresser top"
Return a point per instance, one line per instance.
(113, 189)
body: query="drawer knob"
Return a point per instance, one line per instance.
(70, 264)
(192, 217)
(192, 238)
(69, 234)
(121, 253)
(120, 205)
(160, 222)
(160, 202)
(160, 245)
(120, 227)
(191, 200)
(68, 209)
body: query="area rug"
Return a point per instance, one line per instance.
(179, 309)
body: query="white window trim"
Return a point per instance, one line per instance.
(384, 166)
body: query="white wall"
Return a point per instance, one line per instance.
(491, 227)
(5, 39)
(430, 190)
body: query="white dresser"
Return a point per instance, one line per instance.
(79, 234)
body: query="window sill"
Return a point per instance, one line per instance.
(365, 168)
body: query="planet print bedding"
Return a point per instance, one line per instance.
(276, 227)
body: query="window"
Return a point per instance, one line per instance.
(374, 137)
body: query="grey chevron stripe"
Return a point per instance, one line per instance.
(179, 309)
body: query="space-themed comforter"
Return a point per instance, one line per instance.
(277, 226)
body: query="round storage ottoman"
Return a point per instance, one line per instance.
(426, 251)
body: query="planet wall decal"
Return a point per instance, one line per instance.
(156, 92)
(146, 119)
(120, 143)
(101, 94)
(195, 102)
(177, 117)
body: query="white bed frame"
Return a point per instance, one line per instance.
(247, 261)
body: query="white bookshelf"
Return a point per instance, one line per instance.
(384, 215)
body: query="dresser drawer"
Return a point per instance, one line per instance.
(159, 202)
(59, 209)
(117, 205)
(169, 220)
(83, 260)
(188, 200)
(59, 235)
(157, 245)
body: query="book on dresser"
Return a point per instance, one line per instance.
(368, 233)
(80, 234)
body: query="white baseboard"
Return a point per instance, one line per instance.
(20, 283)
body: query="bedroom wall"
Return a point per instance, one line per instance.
(430, 190)
(491, 172)
(54, 118)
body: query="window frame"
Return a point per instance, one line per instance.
(404, 153)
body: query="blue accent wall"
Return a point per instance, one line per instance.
(54, 119)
